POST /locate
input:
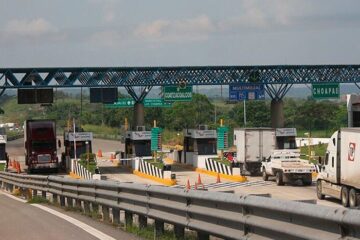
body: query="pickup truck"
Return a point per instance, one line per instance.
(287, 166)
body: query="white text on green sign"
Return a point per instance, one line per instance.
(331, 90)
(178, 94)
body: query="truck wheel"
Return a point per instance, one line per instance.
(345, 196)
(319, 190)
(353, 198)
(307, 180)
(265, 177)
(279, 179)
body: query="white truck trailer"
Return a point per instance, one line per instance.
(253, 145)
(339, 175)
(287, 166)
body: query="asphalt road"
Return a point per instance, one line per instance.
(23, 221)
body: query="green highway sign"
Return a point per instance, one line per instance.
(148, 102)
(177, 94)
(327, 90)
(156, 102)
(122, 103)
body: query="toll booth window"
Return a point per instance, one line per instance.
(206, 146)
(142, 148)
(286, 142)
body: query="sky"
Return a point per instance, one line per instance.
(63, 33)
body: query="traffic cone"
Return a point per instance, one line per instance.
(112, 157)
(99, 153)
(218, 178)
(18, 167)
(196, 186)
(10, 163)
(199, 182)
(188, 185)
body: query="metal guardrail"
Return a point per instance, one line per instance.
(223, 215)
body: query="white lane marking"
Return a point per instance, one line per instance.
(92, 231)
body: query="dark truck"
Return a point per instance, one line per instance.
(40, 145)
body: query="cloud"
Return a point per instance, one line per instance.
(192, 29)
(29, 28)
(108, 38)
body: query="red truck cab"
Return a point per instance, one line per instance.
(40, 145)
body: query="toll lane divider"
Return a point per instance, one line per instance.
(149, 171)
(79, 171)
(215, 168)
(222, 215)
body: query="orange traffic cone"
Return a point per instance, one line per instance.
(99, 154)
(218, 178)
(10, 163)
(112, 157)
(196, 186)
(188, 185)
(199, 182)
(18, 167)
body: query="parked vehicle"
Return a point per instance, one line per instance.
(339, 175)
(287, 166)
(40, 145)
(253, 145)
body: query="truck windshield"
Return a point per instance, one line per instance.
(286, 142)
(43, 145)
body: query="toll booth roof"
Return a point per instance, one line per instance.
(138, 135)
(198, 134)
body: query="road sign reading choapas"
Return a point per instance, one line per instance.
(328, 90)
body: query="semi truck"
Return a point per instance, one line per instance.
(253, 145)
(40, 145)
(339, 175)
(287, 166)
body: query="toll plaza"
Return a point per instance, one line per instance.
(199, 144)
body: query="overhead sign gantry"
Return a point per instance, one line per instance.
(277, 79)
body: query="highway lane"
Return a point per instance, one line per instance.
(22, 221)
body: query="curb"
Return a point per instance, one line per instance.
(167, 182)
(228, 177)
(74, 175)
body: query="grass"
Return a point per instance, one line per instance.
(320, 150)
(223, 161)
(38, 200)
(315, 133)
(157, 164)
(2, 166)
(149, 232)
(102, 131)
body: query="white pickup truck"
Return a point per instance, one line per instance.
(287, 166)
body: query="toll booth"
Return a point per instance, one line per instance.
(83, 143)
(353, 109)
(199, 144)
(3, 141)
(285, 138)
(137, 143)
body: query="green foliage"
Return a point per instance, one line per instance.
(85, 156)
(320, 151)
(91, 166)
(157, 163)
(38, 200)
(2, 166)
(148, 233)
(257, 114)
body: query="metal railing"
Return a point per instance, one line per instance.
(224, 215)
